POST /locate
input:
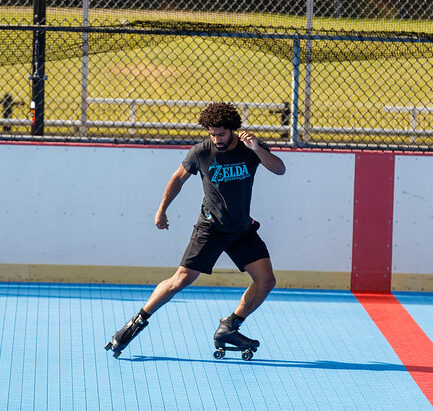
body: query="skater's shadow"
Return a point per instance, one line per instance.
(319, 364)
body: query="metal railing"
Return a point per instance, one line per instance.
(134, 124)
(134, 103)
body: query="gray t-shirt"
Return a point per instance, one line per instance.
(227, 179)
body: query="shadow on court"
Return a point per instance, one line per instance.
(320, 364)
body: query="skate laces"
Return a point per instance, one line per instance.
(234, 324)
(136, 322)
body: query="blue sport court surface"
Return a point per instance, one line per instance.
(319, 350)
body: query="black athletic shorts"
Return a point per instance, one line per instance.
(207, 244)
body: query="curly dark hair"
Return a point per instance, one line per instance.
(220, 115)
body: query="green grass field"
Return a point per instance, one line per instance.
(344, 93)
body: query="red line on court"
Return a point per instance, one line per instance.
(408, 340)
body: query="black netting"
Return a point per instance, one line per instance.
(330, 45)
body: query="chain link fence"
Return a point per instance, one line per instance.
(327, 74)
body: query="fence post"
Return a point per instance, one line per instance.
(308, 71)
(7, 111)
(84, 69)
(295, 90)
(132, 117)
(8, 104)
(38, 66)
(285, 117)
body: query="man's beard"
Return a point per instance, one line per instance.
(225, 145)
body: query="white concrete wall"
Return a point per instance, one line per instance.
(413, 215)
(307, 214)
(96, 205)
(73, 205)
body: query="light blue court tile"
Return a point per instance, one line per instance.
(40, 360)
(420, 307)
(10, 374)
(83, 386)
(319, 350)
(53, 345)
(336, 355)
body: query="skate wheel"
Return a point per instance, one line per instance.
(218, 354)
(117, 354)
(108, 346)
(247, 355)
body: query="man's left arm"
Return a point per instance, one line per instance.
(269, 160)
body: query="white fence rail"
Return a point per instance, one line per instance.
(414, 112)
(134, 103)
(133, 124)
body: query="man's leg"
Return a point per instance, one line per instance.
(263, 283)
(228, 331)
(166, 289)
(161, 295)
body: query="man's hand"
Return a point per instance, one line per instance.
(249, 139)
(171, 191)
(270, 161)
(161, 220)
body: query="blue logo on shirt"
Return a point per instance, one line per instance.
(228, 172)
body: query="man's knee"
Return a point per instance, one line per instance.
(271, 282)
(262, 274)
(268, 282)
(183, 277)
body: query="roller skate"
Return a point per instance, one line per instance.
(126, 334)
(228, 333)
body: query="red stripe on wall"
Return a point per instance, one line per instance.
(406, 337)
(372, 222)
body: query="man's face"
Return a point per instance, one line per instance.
(221, 137)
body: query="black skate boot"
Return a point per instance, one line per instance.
(126, 334)
(228, 333)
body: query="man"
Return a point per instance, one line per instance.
(227, 163)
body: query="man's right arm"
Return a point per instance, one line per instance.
(172, 189)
